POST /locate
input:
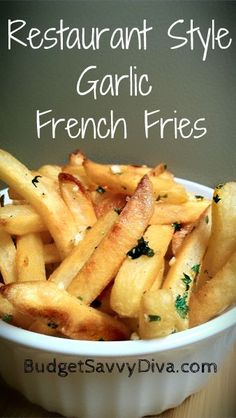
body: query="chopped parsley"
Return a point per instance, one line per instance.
(52, 325)
(100, 190)
(117, 210)
(219, 186)
(207, 219)
(7, 318)
(187, 280)
(101, 339)
(177, 226)
(199, 197)
(216, 198)
(196, 268)
(154, 318)
(80, 298)
(141, 249)
(181, 305)
(35, 180)
(88, 227)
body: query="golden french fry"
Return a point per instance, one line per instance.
(168, 213)
(119, 179)
(51, 254)
(78, 201)
(182, 273)
(214, 296)
(106, 260)
(223, 236)
(63, 312)
(30, 258)
(40, 193)
(157, 315)
(20, 220)
(72, 264)
(7, 258)
(137, 275)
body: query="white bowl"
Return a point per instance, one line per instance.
(115, 379)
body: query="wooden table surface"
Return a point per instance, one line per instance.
(217, 400)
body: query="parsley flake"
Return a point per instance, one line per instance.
(7, 318)
(141, 249)
(219, 186)
(181, 305)
(177, 226)
(216, 198)
(35, 180)
(187, 280)
(207, 219)
(196, 268)
(117, 210)
(80, 298)
(154, 318)
(199, 197)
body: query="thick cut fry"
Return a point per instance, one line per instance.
(43, 300)
(72, 264)
(7, 258)
(125, 182)
(216, 295)
(223, 236)
(168, 213)
(30, 258)
(137, 275)
(41, 195)
(51, 254)
(106, 260)
(20, 220)
(183, 272)
(157, 316)
(78, 201)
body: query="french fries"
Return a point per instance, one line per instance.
(61, 311)
(20, 220)
(182, 273)
(44, 198)
(73, 263)
(124, 180)
(110, 252)
(223, 238)
(107, 258)
(215, 295)
(136, 275)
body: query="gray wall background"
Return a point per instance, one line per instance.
(46, 79)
